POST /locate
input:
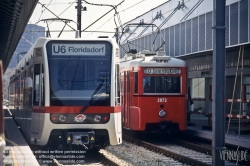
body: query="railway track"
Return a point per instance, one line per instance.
(207, 148)
(182, 151)
(107, 159)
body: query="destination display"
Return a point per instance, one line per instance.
(162, 71)
(78, 49)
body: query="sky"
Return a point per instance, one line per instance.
(128, 10)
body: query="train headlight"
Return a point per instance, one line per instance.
(97, 118)
(54, 118)
(162, 113)
(62, 118)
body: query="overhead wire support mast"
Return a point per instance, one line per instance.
(79, 16)
(158, 15)
(43, 5)
(218, 81)
(179, 6)
(141, 23)
(191, 10)
(113, 8)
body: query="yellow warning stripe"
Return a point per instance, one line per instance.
(14, 157)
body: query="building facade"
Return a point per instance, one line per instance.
(187, 29)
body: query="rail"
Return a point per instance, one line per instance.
(166, 152)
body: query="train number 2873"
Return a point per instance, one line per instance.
(162, 100)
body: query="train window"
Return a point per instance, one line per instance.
(36, 83)
(17, 91)
(28, 88)
(22, 89)
(135, 82)
(24, 81)
(79, 81)
(161, 84)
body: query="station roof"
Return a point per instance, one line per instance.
(14, 16)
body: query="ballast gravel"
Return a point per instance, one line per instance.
(135, 155)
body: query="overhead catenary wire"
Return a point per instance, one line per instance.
(44, 10)
(114, 16)
(65, 9)
(27, 41)
(100, 26)
(131, 6)
(113, 8)
(71, 31)
(57, 16)
(60, 3)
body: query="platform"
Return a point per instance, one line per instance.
(231, 138)
(17, 151)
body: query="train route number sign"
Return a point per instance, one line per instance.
(162, 100)
(162, 71)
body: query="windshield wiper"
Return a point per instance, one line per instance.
(92, 97)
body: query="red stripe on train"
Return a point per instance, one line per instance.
(75, 109)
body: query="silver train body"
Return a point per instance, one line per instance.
(66, 91)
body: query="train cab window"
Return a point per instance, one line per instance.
(81, 78)
(36, 84)
(161, 84)
(135, 82)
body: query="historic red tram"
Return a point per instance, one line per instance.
(153, 92)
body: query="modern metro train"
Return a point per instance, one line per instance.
(153, 92)
(66, 92)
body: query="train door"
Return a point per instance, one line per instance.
(122, 96)
(21, 110)
(127, 97)
(117, 97)
(28, 100)
(38, 96)
(17, 97)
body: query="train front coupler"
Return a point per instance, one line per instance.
(165, 126)
(86, 139)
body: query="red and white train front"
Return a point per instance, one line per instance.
(72, 87)
(153, 92)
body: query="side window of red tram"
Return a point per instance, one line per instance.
(135, 82)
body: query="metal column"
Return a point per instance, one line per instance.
(79, 16)
(117, 34)
(218, 89)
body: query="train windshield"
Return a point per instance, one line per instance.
(161, 84)
(80, 73)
